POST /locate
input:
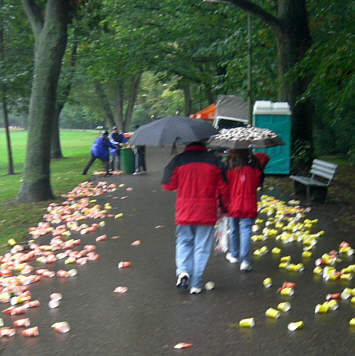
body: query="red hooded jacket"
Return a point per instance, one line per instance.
(263, 159)
(242, 188)
(197, 176)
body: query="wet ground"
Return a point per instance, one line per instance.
(153, 316)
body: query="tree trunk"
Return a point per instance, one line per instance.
(133, 91)
(50, 43)
(209, 94)
(105, 105)
(293, 39)
(187, 99)
(4, 101)
(119, 105)
(10, 167)
(56, 150)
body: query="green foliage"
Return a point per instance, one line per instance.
(79, 117)
(17, 67)
(330, 64)
(301, 157)
(351, 155)
(156, 100)
(188, 41)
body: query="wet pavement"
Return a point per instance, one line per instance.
(153, 316)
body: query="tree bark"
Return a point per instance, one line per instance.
(119, 100)
(10, 164)
(187, 99)
(132, 97)
(209, 94)
(105, 104)
(293, 39)
(10, 169)
(56, 150)
(50, 42)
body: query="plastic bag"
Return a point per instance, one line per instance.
(221, 235)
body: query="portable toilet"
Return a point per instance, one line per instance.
(276, 117)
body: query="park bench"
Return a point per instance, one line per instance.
(316, 185)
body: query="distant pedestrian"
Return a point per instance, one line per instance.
(139, 158)
(197, 176)
(100, 149)
(117, 139)
(243, 178)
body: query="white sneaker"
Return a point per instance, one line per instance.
(195, 290)
(231, 259)
(245, 266)
(182, 280)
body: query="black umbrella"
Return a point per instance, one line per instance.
(170, 130)
(245, 137)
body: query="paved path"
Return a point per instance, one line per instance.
(153, 316)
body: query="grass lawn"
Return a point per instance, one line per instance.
(65, 175)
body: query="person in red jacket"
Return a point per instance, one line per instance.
(196, 174)
(243, 178)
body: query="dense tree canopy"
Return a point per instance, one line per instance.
(128, 62)
(16, 67)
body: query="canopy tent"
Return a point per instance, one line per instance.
(231, 107)
(206, 113)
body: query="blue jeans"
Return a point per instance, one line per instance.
(193, 248)
(239, 237)
(115, 158)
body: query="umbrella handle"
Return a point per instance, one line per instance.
(250, 158)
(173, 148)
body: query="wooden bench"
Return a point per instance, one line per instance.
(316, 185)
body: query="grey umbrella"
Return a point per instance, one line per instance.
(245, 137)
(170, 130)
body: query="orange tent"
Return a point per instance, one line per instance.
(205, 114)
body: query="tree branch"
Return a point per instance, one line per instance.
(58, 10)
(72, 62)
(105, 105)
(255, 10)
(133, 91)
(34, 15)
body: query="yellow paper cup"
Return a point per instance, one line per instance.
(321, 309)
(275, 251)
(267, 282)
(272, 313)
(287, 292)
(285, 306)
(247, 323)
(295, 325)
(318, 270)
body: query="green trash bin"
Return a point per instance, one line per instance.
(127, 160)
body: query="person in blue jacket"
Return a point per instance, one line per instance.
(100, 149)
(116, 138)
